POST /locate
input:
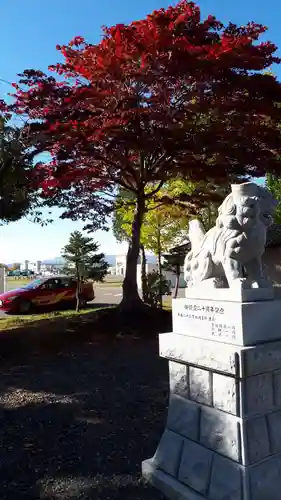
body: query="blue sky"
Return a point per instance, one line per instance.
(31, 29)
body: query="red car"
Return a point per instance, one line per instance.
(44, 292)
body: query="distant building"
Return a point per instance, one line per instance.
(120, 265)
(121, 261)
(35, 267)
(111, 270)
(53, 266)
(120, 269)
(57, 263)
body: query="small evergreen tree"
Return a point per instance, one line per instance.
(83, 262)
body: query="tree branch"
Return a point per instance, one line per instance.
(155, 191)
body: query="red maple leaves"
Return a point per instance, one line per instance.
(165, 95)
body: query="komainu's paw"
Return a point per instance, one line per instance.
(241, 283)
(248, 284)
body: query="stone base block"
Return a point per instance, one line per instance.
(228, 359)
(225, 479)
(239, 323)
(248, 397)
(234, 294)
(170, 487)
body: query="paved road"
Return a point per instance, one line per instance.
(108, 294)
(113, 295)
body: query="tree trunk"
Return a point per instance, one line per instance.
(131, 299)
(78, 296)
(178, 272)
(159, 254)
(78, 287)
(143, 274)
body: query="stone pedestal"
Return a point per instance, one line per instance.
(223, 434)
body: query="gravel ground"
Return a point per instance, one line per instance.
(76, 425)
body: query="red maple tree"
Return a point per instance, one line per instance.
(165, 96)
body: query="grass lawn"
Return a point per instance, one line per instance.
(17, 282)
(12, 322)
(78, 417)
(110, 284)
(167, 302)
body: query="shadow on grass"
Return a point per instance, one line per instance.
(54, 333)
(78, 424)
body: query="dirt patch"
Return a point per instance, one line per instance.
(77, 424)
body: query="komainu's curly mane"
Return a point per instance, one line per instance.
(233, 248)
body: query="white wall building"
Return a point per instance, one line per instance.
(47, 267)
(35, 267)
(120, 269)
(111, 270)
(120, 264)
(168, 275)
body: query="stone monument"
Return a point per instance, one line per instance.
(223, 433)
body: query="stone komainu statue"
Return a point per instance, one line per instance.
(231, 252)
